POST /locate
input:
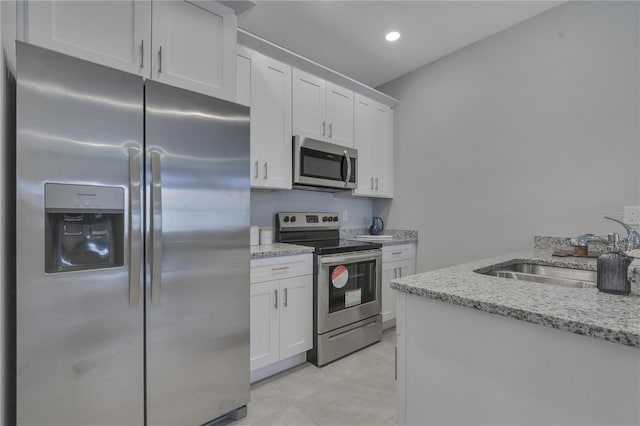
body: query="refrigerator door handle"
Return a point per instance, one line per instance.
(156, 226)
(135, 246)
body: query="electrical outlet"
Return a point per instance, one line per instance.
(345, 216)
(632, 215)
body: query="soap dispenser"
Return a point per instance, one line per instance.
(612, 268)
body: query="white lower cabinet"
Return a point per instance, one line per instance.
(281, 308)
(397, 262)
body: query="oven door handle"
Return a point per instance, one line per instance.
(348, 259)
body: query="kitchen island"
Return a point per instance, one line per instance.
(478, 349)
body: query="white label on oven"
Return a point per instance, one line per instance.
(352, 297)
(339, 276)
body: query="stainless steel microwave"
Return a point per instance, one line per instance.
(323, 166)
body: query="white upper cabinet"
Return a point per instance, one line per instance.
(194, 46)
(112, 33)
(339, 115)
(309, 104)
(322, 110)
(265, 84)
(373, 138)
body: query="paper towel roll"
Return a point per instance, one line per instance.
(266, 236)
(254, 235)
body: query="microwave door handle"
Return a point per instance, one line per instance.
(156, 226)
(135, 246)
(348, 160)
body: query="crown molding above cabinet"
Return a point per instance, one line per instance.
(275, 51)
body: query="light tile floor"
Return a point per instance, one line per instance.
(356, 390)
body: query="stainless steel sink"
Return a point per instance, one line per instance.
(554, 275)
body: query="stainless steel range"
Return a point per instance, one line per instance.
(347, 277)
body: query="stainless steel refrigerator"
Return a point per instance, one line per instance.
(132, 292)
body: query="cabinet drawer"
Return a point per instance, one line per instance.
(281, 267)
(399, 252)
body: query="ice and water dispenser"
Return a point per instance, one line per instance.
(84, 227)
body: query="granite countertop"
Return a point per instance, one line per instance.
(278, 249)
(585, 311)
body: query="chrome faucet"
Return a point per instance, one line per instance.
(630, 242)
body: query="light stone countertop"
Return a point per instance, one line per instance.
(278, 249)
(584, 311)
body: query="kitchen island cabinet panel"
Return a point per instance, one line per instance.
(462, 366)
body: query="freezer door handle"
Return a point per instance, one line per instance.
(156, 227)
(135, 245)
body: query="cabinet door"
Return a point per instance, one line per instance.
(264, 324)
(364, 144)
(243, 77)
(309, 102)
(339, 115)
(112, 33)
(194, 46)
(382, 154)
(296, 315)
(389, 272)
(271, 122)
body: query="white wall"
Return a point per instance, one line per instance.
(264, 205)
(533, 131)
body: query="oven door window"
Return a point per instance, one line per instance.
(351, 285)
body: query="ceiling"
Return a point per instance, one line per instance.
(348, 36)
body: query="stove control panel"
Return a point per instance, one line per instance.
(307, 220)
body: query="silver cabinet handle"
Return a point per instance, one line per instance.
(324, 127)
(156, 227)
(135, 221)
(265, 170)
(285, 297)
(159, 59)
(330, 129)
(376, 184)
(348, 160)
(142, 54)
(400, 272)
(395, 273)
(372, 184)
(395, 253)
(256, 175)
(396, 363)
(275, 297)
(282, 268)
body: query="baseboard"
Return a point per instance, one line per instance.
(278, 367)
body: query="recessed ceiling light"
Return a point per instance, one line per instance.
(392, 36)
